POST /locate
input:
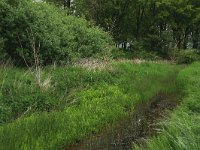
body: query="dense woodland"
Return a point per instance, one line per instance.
(153, 24)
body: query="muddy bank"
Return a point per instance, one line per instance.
(134, 128)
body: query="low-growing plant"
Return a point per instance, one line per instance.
(135, 54)
(85, 101)
(187, 56)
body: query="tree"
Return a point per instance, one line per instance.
(62, 38)
(64, 3)
(145, 21)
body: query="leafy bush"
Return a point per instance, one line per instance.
(137, 54)
(119, 53)
(61, 38)
(187, 56)
(147, 55)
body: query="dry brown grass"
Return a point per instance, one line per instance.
(93, 64)
(99, 64)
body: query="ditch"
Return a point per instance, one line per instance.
(132, 129)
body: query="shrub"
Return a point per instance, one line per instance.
(187, 56)
(119, 53)
(146, 55)
(62, 38)
(137, 54)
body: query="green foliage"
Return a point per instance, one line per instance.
(188, 56)
(20, 94)
(2, 53)
(137, 54)
(86, 101)
(118, 53)
(61, 38)
(97, 107)
(180, 132)
(182, 129)
(159, 25)
(190, 76)
(146, 55)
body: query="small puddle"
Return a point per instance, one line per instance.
(135, 128)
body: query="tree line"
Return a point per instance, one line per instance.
(146, 24)
(76, 28)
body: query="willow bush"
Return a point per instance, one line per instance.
(60, 38)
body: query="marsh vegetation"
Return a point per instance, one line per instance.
(99, 75)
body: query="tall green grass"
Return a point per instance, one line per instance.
(18, 92)
(182, 130)
(84, 102)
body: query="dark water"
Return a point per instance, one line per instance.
(134, 128)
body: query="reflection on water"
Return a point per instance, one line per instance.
(132, 129)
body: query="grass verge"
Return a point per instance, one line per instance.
(181, 131)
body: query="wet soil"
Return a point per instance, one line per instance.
(134, 128)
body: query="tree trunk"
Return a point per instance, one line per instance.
(67, 4)
(185, 42)
(139, 20)
(195, 39)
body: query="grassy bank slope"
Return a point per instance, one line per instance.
(80, 102)
(182, 130)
